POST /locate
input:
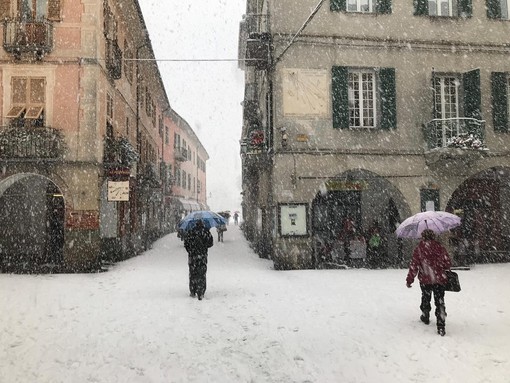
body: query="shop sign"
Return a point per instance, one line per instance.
(345, 185)
(118, 191)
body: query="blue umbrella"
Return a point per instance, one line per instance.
(209, 218)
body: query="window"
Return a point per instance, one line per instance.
(360, 6)
(498, 9)
(364, 6)
(363, 98)
(167, 135)
(183, 179)
(443, 8)
(189, 181)
(446, 97)
(27, 98)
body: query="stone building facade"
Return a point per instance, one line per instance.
(372, 111)
(87, 159)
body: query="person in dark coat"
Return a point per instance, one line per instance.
(430, 260)
(197, 241)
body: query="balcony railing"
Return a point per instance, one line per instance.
(31, 143)
(461, 132)
(28, 36)
(181, 154)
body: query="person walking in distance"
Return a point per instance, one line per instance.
(236, 218)
(429, 262)
(197, 242)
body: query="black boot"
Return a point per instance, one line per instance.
(441, 331)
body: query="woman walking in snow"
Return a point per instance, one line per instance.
(430, 260)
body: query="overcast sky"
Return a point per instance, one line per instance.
(207, 95)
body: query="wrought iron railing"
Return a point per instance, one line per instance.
(458, 132)
(31, 143)
(181, 154)
(28, 36)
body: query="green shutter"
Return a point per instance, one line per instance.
(383, 6)
(499, 101)
(338, 5)
(493, 9)
(465, 8)
(421, 7)
(472, 94)
(387, 92)
(340, 97)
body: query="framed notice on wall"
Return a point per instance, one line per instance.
(293, 220)
(118, 191)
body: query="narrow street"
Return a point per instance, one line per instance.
(137, 323)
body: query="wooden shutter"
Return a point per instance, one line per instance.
(37, 91)
(5, 9)
(19, 90)
(383, 6)
(499, 101)
(465, 8)
(421, 7)
(472, 94)
(387, 92)
(493, 9)
(338, 5)
(54, 7)
(340, 97)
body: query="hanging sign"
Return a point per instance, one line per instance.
(118, 191)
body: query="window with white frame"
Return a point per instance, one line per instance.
(360, 6)
(446, 93)
(443, 8)
(362, 99)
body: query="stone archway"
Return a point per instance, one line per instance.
(483, 201)
(370, 200)
(32, 210)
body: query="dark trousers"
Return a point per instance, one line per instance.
(426, 295)
(197, 274)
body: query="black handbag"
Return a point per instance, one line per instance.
(453, 283)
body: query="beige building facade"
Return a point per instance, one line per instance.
(371, 112)
(87, 153)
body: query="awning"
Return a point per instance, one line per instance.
(188, 204)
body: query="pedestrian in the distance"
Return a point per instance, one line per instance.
(221, 229)
(236, 218)
(430, 260)
(197, 241)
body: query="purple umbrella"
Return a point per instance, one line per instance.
(437, 221)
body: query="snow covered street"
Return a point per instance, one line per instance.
(137, 323)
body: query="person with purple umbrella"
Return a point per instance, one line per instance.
(430, 261)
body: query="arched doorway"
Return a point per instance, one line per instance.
(32, 221)
(483, 202)
(371, 203)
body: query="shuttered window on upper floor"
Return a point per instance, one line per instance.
(27, 97)
(363, 98)
(443, 8)
(31, 10)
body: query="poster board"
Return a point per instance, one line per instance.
(293, 220)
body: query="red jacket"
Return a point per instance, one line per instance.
(430, 260)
